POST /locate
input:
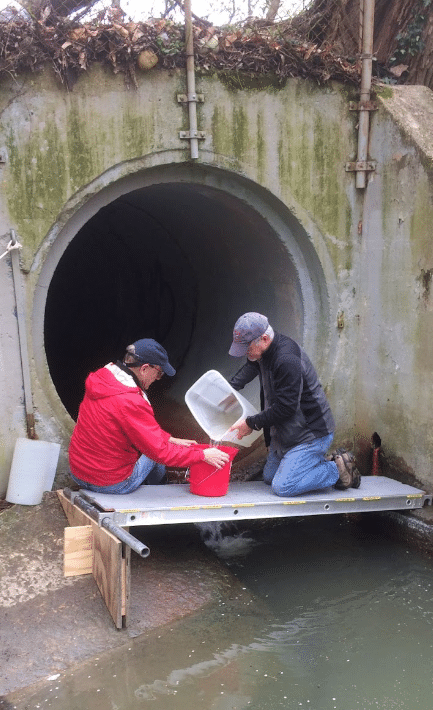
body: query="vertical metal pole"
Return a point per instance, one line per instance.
(190, 80)
(367, 63)
(22, 336)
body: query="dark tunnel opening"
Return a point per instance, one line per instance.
(175, 262)
(120, 279)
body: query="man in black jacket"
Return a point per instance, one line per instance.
(296, 417)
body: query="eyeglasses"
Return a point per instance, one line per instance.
(159, 370)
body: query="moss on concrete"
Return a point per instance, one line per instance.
(38, 186)
(80, 148)
(261, 147)
(384, 92)
(222, 141)
(240, 131)
(239, 81)
(57, 154)
(137, 133)
(311, 160)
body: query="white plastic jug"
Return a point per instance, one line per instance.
(216, 406)
(33, 469)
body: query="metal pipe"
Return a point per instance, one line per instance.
(90, 510)
(138, 547)
(22, 338)
(190, 80)
(367, 64)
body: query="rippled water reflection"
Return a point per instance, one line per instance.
(338, 619)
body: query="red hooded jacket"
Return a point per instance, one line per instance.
(116, 424)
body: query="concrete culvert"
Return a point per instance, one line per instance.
(173, 261)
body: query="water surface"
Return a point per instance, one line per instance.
(336, 618)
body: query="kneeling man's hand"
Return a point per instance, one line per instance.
(242, 429)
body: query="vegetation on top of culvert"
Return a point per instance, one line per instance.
(131, 47)
(318, 43)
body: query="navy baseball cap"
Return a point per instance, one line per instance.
(247, 328)
(148, 351)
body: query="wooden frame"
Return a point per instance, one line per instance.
(89, 548)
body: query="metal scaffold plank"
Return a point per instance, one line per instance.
(171, 504)
(109, 560)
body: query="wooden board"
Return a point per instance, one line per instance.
(107, 572)
(74, 515)
(89, 548)
(78, 551)
(126, 581)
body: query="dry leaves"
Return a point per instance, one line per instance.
(27, 44)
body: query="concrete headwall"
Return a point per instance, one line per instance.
(124, 236)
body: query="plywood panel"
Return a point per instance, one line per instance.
(126, 582)
(89, 548)
(78, 551)
(107, 571)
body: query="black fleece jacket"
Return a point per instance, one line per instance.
(295, 409)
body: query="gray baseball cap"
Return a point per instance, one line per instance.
(247, 328)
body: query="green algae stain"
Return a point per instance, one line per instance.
(38, 185)
(420, 226)
(241, 138)
(136, 134)
(239, 81)
(80, 150)
(327, 168)
(232, 136)
(222, 138)
(261, 147)
(295, 148)
(421, 255)
(55, 158)
(311, 166)
(384, 92)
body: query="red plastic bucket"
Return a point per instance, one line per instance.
(206, 480)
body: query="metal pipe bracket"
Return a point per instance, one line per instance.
(363, 106)
(361, 166)
(188, 98)
(192, 134)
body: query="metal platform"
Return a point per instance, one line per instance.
(97, 543)
(171, 504)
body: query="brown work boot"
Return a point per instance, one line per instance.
(345, 478)
(347, 470)
(350, 462)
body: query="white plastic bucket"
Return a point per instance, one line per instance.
(216, 406)
(33, 469)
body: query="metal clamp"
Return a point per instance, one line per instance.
(361, 166)
(187, 98)
(192, 134)
(363, 106)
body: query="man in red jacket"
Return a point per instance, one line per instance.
(117, 444)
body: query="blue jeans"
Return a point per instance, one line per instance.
(144, 471)
(302, 469)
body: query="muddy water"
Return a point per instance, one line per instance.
(337, 618)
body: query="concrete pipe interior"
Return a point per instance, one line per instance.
(175, 262)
